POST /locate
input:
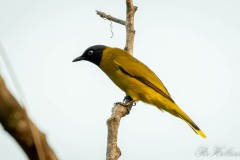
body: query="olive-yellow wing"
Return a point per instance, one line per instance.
(134, 68)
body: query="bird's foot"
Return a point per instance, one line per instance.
(127, 99)
(131, 103)
(127, 105)
(128, 102)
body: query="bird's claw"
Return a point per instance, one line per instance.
(128, 105)
(127, 99)
(131, 103)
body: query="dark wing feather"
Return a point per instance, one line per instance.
(136, 69)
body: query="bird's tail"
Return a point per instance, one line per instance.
(179, 113)
(195, 128)
(176, 111)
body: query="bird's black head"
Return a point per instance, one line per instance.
(92, 54)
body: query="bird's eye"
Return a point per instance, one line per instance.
(90, 52)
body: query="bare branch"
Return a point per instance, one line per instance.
(113, 151)
(15, 121)
(111, 18)
(131, 9)
(119, 111)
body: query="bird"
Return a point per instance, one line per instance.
(136, 79)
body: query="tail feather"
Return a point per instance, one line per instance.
(173, 109)
(176, 111)
(194, 127)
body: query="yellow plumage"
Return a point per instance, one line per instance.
(137, 80)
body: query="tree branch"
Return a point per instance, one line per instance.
(113, 151)
(131, 9)
(15, 121)
(119, 111)
(111, 18)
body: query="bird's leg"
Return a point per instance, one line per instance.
(127, 99)
(128, 102)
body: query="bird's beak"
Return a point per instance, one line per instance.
(78, 59)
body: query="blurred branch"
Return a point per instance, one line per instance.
(119, 111)
(15, 121)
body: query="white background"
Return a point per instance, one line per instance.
(193, 46)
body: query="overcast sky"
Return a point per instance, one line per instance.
(193, 46)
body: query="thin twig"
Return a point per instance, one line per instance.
(111, 29)
(111, 18)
